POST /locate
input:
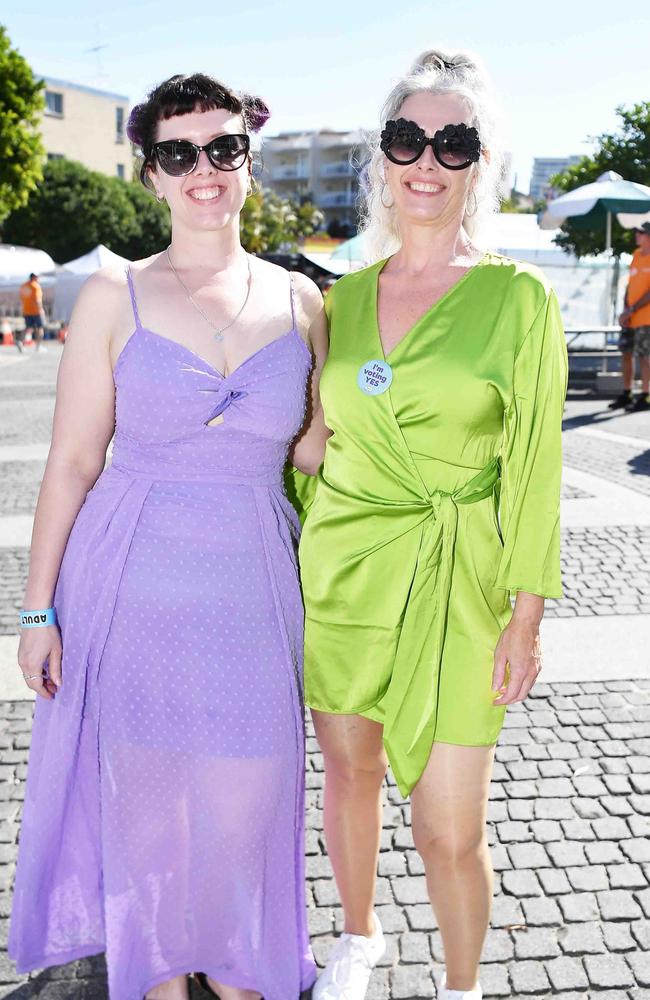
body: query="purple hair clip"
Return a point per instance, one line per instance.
(256, 112)
(134, 125)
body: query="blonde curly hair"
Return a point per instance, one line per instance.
(433, 72)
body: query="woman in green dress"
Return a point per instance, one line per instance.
(437, 502)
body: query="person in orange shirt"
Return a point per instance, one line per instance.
(635, 326)
(31, 298)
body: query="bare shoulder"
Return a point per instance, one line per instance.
(270, 274)
(310, 309)
(103, 288)
(102, 311)
(137, 267)
(309, 297)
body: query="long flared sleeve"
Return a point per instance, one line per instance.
(531, 457)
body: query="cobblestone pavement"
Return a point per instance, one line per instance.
(573, 493)
(13, 574)
(569, 814)
(619, 461)
(569, 828)
(25, 421)
(19, 485)
(606, 571)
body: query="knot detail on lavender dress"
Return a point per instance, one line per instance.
(225, 397)
(217, 386)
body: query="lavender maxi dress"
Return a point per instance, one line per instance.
(163, 819)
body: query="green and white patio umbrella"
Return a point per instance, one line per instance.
(593, 205)
(631, 220)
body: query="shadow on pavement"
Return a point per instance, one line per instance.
(640, 464)
(587, 419)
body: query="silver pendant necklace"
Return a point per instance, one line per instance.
(218, 331)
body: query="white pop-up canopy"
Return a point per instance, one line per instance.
(74, 274)
(16, 265)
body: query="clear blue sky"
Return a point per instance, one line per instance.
(559, 68)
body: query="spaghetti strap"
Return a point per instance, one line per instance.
(129, 281)
(293, 300)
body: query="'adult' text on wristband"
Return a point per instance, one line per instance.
(37, 619)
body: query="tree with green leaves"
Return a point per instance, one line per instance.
(153, 224)
(626, 151)
(72, 211)
(21, 150)
(75, 208)
(270, 223)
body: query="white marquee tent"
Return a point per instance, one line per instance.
(16, 264)
(75, 273)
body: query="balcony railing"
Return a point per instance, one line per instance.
(290, 173)
(337, 199)
(340, 169)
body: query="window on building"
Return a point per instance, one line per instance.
(119, 124)
(55, 156)
(53, 103)
(120, 171)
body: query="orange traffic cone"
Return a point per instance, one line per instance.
(6, 334)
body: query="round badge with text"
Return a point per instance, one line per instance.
(375, 377)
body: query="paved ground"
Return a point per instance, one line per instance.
(569, 817)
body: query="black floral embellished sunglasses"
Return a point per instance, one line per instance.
(179, 157)
(455, 147)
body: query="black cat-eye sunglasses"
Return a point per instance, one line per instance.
(179, 157)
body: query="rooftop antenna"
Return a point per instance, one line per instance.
(97, 49)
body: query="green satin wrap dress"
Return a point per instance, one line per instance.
(437, 500)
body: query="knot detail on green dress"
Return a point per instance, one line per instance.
(411, 700)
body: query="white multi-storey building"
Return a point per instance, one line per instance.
(322, 165)
(543, 169)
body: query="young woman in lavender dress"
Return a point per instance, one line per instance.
(163, 818)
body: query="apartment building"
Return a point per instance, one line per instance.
(322, 165)
(88, 125)
(543, 169)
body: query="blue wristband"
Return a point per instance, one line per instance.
(37, 619)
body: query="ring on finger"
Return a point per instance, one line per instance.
(32, 677)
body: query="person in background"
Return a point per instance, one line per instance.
(31, 299)
(635, 326)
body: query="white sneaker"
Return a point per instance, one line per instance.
(348, 970)
(445, 994)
